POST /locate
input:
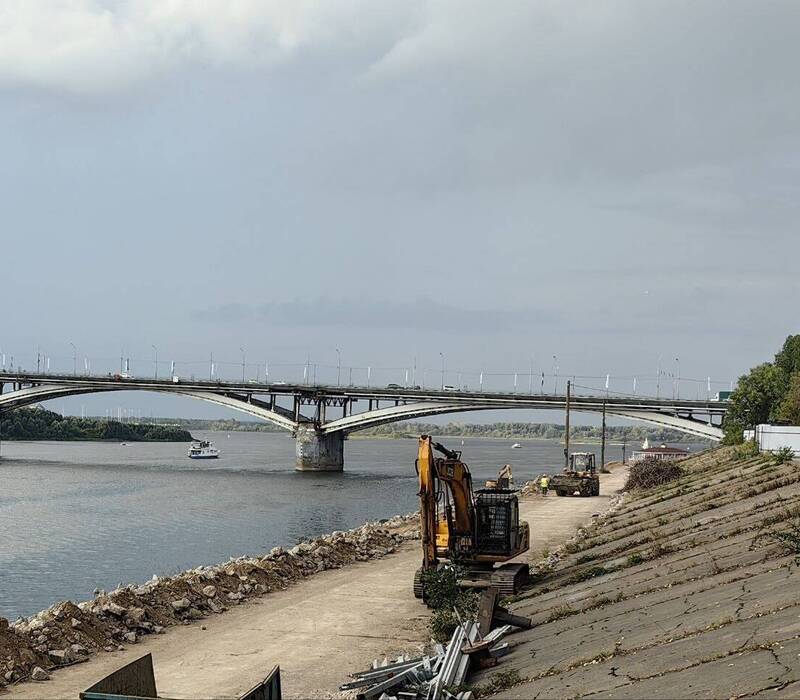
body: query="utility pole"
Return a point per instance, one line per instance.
(566, 431)
(603, 442)
(624, 447)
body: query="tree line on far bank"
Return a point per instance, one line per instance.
(41, 424)
(768, 393)
(546, 431)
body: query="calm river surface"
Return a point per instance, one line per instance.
(80, 515)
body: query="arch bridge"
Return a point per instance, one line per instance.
(320, 417)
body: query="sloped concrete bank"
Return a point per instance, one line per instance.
(68, 633)
(677, 592)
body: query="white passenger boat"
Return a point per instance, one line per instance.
(516, 446)
(203, 449)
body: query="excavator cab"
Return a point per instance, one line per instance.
(581, 479)
(478, 529)
(582, 462)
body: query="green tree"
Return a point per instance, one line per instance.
(788, 359)
(789, 409)
(755, 400)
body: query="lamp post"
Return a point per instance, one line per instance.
(677, 377)
(338, 366)
(555, 374)
(241, 349)
(441, 354)
(530, 378)
(155, 361)
(658, 379)
(74, 359)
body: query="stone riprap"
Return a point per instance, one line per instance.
(68, 633)
(675, 592)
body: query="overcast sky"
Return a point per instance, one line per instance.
(608, 182)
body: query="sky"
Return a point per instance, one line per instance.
(392, 184)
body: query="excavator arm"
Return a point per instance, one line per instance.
(454, 474)
(426, 471)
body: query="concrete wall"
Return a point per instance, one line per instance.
(773, 437)
(317, 452)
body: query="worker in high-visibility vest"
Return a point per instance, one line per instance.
(544, 482)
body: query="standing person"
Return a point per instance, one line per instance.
(544, 482)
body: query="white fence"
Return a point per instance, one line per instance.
(771, 438)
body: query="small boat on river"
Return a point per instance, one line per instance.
(203, 449)
(516, 446)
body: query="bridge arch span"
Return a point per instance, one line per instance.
(361, 421)
(37, 394)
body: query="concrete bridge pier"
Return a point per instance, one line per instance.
(318, 452)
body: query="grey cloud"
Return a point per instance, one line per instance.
(420, 314)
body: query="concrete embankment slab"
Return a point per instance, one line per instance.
(679, 593)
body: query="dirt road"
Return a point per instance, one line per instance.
(318, 631)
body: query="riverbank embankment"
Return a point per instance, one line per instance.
(686, 590)
(331, 623)
(67, 633)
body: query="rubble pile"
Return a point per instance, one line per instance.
(67, 633)
(433, 676)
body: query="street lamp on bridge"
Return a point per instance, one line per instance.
(241, 349)
(74, 359)
(441, 354)
(155, 361)
(338, 366)
(555, 374)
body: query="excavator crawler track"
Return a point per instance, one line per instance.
(419, 586)
(510, 578)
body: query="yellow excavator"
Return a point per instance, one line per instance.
(478, 530)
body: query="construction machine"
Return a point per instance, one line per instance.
(503, 480)
(475, 529)
(579, 479)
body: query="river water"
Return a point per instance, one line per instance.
(80, 515)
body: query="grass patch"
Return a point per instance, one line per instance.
(784, 455)
(586, 574)
(448, 601)
(634, 559)
(787, 538)
(561, 612)
(502, 680)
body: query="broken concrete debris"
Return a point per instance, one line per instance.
(66, 632)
